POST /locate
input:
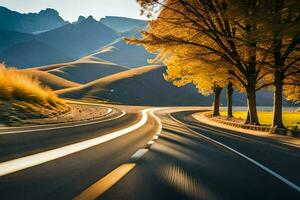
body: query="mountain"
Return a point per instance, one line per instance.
(83, 70)
(139, 86)
(123, 24)
(32, 53)
(30, 23)
(10, 38)
(60, 45)
(80, 19)
(61, 42)
(120, 53)
(79, 39)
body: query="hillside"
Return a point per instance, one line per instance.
(30, 23)
(83, 70)
(50, 80)
(32, 53)
(120, 53)
(10, 38)
(139, 86)
(146, 86)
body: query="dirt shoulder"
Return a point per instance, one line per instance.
(292, 141)
(76, 112)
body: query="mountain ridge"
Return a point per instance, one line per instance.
(30, 22)
(72, 40)
(82, 38)
(122, 24)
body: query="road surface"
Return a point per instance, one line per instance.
(144, 153)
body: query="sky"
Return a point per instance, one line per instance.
(71, 9)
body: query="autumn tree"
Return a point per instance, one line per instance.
(282, 22)
(185, 68)
(292, 91)
(278, 35)
(206, 25)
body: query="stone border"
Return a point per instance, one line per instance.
(265, 128)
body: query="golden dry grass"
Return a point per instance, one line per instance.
(290, 119)
(22, 86)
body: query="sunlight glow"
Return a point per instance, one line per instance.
(71, 9)
(180, 179)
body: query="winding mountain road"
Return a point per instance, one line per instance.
(144, 153)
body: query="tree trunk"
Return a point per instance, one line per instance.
(251, 76)
(278, 82)
(216, 104)
(247, 121)
(229, 100)
(251, 98)
(277, 107)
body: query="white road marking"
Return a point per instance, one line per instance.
(39, 158)
(150, 142)
(266, 169)
(101, 186)
(62, 127)
(83, 103)
(158, 132)
(139, 154)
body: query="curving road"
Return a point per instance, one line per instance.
(144, 153)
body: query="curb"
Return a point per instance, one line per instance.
(265, 128)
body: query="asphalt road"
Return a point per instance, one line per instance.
(138, 155)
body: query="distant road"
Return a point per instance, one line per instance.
(142, 153)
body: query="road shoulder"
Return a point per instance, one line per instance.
(290, 141)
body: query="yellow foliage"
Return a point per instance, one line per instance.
(184, 70)
(190, 55)
(202, 36)
(292, 92)
(18, 85)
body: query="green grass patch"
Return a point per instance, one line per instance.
(290, 119)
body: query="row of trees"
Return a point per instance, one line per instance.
(247, 45)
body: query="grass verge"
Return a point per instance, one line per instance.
(22, 95)
(290, 119)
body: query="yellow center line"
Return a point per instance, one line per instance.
(105, 183)
(101, 186)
